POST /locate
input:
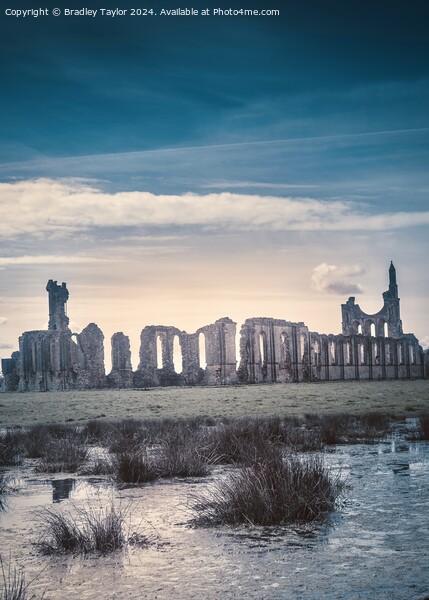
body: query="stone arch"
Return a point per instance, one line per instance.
(159, 352)
(263, 348)
(347, 352)
(202, 357)
(361, 353)
(284, 349)
(177, 355)
(332, 352)
(372, 332)
(33, 356)
(375, 353)
(400, 352)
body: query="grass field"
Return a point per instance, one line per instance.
(392, 397)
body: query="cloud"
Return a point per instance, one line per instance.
(336, 280)
(47, 260)
(424, 341)
(3, 320)
(5, 346)
(63, 207)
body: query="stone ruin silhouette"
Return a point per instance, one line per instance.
(370, 347)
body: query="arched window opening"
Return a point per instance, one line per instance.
(284, 350)
(362, 354)
(359, 329)
(303, 344)
(332, 352)
(263, 347)
(372, 330)
(400, 355)
(386, 330)
(33, 356)
(388, 354)
(159, 357)
(177, 355)
(412, 356)
(375, 354)
(347, 353)
(202, 350)
(316, 352)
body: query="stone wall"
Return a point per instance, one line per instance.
(371, 347)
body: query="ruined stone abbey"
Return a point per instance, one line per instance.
(370, 347)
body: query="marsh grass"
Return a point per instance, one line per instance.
(98, 431)
(185, 453)
(13, 585)
(125, 436)
(135, 466)
(344, 428)
(3, 490)
(99, 466)
(38, 438)
(424, 427)
(89, 530)
(63, 455)
(271, 490)
(11, 448)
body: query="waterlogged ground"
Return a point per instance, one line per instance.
(396, 397)
(375, 545)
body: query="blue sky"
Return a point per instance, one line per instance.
(181, 169)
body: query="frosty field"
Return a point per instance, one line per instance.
(393, 397)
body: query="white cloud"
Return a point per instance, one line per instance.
(62, 207)
(46, 260)
(5, 346)
(336, 280)
(3, 320)
(424, 341)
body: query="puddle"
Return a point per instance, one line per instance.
(376, 545)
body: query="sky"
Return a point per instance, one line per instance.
(175, 170)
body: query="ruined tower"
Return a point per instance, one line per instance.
(386, 322)
(58, 296)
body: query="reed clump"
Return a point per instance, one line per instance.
(88, 530)
(272, 489)
(63, 455)
(13, 585)
(11, 448)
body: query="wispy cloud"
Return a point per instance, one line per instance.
(47, 260)
(337, 280)
(5, 346)
(257, 184)
(3, 320)
(62, 207)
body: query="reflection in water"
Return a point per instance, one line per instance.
(62, 488)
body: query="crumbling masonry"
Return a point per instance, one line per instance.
(370, 347)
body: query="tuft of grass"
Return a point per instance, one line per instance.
(125, 436)
(97, 431)
(424, 427)
(3, 491)
(350, 429)
(38, 438)
(99, 466)
(134, 466)
(13, 585)
(89, 531)
(63, 455)
(11, 448)
(184, 453)
(271, 490)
